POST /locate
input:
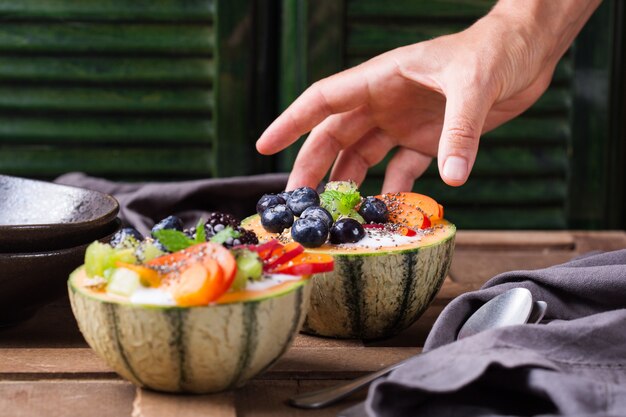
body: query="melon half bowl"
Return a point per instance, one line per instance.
(375, 293)
(202, 349)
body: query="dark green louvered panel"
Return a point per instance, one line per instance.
(523, 175)
(107, 70)
(111, 130)
(106, 160)
(107, 38)
(126, 89)
(122, 100)
(109, 10)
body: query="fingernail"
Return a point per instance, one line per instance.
(455, 168)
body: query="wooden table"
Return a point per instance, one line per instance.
(47, 369)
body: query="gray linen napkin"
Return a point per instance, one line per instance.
(143, 204)
(574, 364)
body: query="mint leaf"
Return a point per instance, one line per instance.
(200, 231)
(342, 203)
(356, 216)
(223, 235)
(351, 199)
(173, 240)
(330, 196)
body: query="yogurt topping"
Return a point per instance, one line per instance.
(152, 296)
(379, 238)
(160, 297)
(270, 281)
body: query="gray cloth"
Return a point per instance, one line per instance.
(573, 364)
(143, 204)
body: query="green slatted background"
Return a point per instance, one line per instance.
(174, 89)
(521, 178)
(125, 89)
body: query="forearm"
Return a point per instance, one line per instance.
(551, 24)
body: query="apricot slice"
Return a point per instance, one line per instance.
(427, 205)
(199, 284)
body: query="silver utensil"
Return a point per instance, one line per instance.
(539, 310)
(515, 306)
(509, 308)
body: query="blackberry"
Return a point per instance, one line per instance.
(246, 237)
(219, 221)
(190, 233)
(225, 219)
(216, 222)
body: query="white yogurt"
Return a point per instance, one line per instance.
(152, 296)
(379, 238)
(270, 281)
(160, 297)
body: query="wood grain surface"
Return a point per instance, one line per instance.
(46, 368)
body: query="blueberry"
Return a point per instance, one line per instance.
(374, 210)
(171, 222)
(285, 195)
(318, 212)
(268, 200)
(276, 219)
(301, 198)
(160, 246)
(346, 230)
(123, 234)
(310, 232)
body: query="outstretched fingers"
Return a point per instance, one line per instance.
(339, 93)
(353, 162)
(465, 114)
(325, 142)
(402, 170)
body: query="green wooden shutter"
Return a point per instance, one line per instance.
(527, 174)
(126, 89)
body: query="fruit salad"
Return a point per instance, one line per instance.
(341, 216)
(217, 261)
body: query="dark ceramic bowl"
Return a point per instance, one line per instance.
(30, 280)
(42, 216)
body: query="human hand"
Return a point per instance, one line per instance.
(434, 98)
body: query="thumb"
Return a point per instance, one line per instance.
(463, 122)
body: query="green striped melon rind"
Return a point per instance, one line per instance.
(196, 349)
(373, 295)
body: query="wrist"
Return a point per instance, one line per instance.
(550, 26)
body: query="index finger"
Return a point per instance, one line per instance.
(336, 94)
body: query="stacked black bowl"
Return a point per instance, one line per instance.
(45, 229)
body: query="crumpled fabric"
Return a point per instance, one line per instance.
(572, 364)
(144, 204)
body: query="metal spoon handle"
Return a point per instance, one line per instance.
(330, 395)
(538, 311)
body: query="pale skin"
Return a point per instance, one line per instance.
(431, 99)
